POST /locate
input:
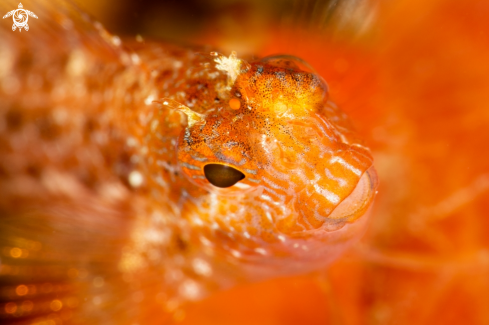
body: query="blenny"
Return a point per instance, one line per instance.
(162, 173)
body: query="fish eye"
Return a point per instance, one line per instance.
(221, 175)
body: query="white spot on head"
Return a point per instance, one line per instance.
(154, 236)
(231, 65)
(331, 197)
(135, 58)
(190, 290)
(131, 142)
(205, 241)
(135, 178)
(116, 40)
(343, 163)
(269, 216)
(261, 251)
(242, 186)
(77, 63)
(149, 100)
(201, 267)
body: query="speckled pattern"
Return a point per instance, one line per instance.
(103, 194)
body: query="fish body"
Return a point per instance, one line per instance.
(113, 159)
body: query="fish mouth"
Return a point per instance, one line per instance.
(357, 203)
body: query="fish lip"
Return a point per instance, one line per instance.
(339, 215)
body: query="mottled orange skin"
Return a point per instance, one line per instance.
(102, 190)
(417, 92)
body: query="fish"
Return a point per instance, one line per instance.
(414, 84)
(138, 176)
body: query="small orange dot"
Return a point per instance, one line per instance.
(56, 305)
(15, 252)
(21, 290)
(10, 307)
(234, 103)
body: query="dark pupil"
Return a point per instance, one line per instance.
(222, 176)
